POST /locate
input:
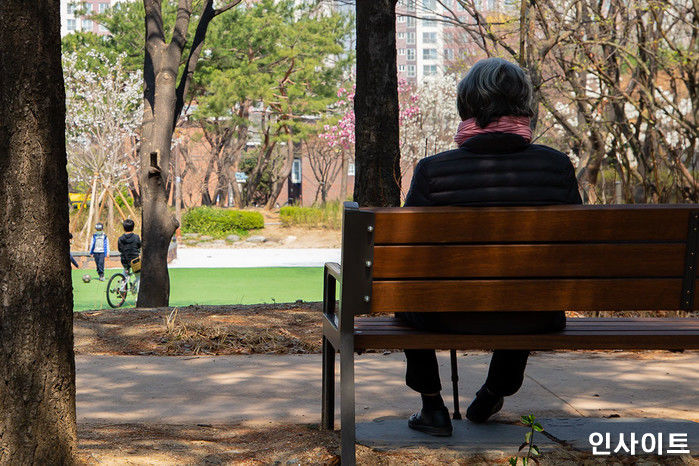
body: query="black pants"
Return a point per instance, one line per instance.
(506, 372)
(99, 262)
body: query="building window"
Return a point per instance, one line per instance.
(401, 19)
(410, 4)
(411, 38)
(410, 21)
(491, 4)
(401, 68)
(429, 70)
(429, 54)
(70, 9)
(411, 54)
(350, 169)
(87, 25)
(71, 25)
(103, 29)
(296, 171)
(411, 71)
(429, 37)
(449, 54)
(429, 4)
(103, 7)
(401, 35)
(429, 22)
(401, 51)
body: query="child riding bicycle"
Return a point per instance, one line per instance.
(129, 245)
(120, 285)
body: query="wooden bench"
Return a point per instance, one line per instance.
(582, 258)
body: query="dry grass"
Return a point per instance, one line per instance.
(215, 330)
(196, 338)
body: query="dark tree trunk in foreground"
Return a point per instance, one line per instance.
(377, 152)
(163, 101)
(37, 368)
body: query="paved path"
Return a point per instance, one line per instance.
(502, 439)
(286, 388)
(253, 257)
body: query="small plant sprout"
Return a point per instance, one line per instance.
(533, 450)
(170, 320)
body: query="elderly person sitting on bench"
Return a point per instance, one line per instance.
(495, 164)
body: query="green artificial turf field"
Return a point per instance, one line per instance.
(215, 286)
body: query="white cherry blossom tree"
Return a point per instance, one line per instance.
(103, 110)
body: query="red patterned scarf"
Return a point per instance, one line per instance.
(518, 125)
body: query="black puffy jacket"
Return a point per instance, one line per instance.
(495, 169)
(129, 246)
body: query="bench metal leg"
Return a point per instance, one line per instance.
(347, 401)
(328, 408)
(455, 384)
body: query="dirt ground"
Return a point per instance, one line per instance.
(274, 444)
(193, 330)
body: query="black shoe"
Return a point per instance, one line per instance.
(433, 422)
(485, 405)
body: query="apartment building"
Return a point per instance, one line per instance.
(427, 39)
(75, 15)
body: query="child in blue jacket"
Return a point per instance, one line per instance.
(99, 249)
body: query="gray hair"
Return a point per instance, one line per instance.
(492, 88)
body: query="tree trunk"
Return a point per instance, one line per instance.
(377, 152)
(178, 188)
(135, 194)
(37, 368)
(343, 177)
(158, 224)
(278, 184)
(229, 199)
(90, 215)
(163, 101)
(110, 212)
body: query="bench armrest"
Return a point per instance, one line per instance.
(332, 275)
(333, 269)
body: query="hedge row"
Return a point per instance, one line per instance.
(328, 216)
(220, 222)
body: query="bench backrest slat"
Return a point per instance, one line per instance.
(527, 295)
(586, 258)
(531, 224)
(530, 260)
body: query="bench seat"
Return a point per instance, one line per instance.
(580, 333)
(616, 259)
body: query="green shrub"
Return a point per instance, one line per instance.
(220, 222)
(327, 216)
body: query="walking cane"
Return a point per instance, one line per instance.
(455, 385)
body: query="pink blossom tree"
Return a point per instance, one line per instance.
(427, 120)
(341, 134)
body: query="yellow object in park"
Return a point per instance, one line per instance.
(77, 199)
(136, 265)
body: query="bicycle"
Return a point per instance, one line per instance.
(121, 284)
